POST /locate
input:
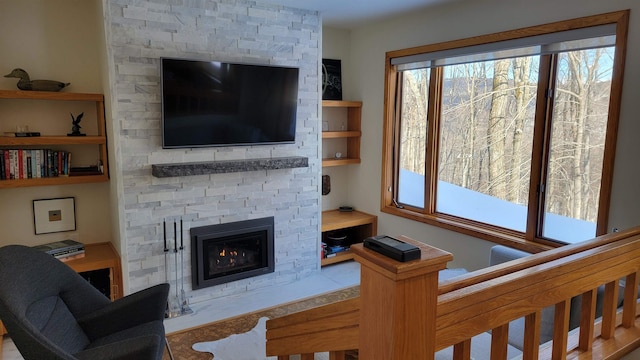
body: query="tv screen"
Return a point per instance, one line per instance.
(210, 103)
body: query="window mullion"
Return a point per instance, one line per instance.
(433, 139)
(541, 147)
(397, 101)
(389, 168)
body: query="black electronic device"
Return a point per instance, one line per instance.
(212, 103)
(345, 208)
(393, 248)
(27, 134)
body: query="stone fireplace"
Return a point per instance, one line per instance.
(149, 190)
(233, 251)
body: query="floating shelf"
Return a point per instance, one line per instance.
(350, 135)
(68, 143)
(227, 166)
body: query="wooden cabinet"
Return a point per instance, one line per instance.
(344, 124)
(59, 140)
(2, 332)
(100, 256)
(357, 224)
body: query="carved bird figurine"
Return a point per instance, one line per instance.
(25, 83)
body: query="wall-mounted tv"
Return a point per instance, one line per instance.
(211, 103)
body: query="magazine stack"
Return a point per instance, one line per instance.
(64, 250)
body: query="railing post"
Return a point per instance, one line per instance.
(398, 303)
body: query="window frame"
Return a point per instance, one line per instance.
(529, 240)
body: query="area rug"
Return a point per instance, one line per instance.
(246, 346)
(182, 342)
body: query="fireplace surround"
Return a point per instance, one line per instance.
(232, 251)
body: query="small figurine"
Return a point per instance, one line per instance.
(25, 83)
(75, 129)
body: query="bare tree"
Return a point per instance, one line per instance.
(496, 129)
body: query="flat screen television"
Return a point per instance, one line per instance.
(211, 103)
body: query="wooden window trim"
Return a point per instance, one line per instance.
(530, 241)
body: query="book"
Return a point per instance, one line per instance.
(7, 165)
(59, 248)
(2, 176)
(70, 257)
(14, 163)
(66, 253)
(83, 171)
(21, 166)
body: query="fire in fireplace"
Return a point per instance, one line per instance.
(233, 251)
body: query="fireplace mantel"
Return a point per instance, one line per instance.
(227, 166)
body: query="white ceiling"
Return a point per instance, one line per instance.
(352, 13)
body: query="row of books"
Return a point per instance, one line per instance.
(64, 250)
(33, 163)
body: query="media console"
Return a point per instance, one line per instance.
(358, 224)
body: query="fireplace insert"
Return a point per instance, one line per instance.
(233, 251)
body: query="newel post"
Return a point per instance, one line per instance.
(398, 303)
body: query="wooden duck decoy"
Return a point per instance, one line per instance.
(25, 83)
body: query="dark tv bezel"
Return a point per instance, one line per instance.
(211, 145)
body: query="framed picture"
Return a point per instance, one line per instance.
(331, 79)
(54, 215)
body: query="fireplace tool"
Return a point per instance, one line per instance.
(184, 306)
(173, 306)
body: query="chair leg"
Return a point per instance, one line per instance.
(166, 343)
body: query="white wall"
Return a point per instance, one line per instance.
(58, 41)
(367, 48)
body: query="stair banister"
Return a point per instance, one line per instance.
(393, 325)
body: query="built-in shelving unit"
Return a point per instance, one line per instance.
(62, 140)
(357, 224)
(350, 132)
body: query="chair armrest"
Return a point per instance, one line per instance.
(146, 347)
(132, 310)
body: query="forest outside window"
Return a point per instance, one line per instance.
(510, 137)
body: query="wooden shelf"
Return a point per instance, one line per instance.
(339, 162)
(51, 140)
(338, 257)
(341, 103)
(99, 139)
(359, 224)
(49, 181)
(340, 134)
(49, 95)
(351, 134)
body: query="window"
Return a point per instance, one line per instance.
(510, 137)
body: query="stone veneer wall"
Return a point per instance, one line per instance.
(138, 34)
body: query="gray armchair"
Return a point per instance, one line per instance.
(51, 312)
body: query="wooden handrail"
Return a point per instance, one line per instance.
(389, 322)
(329, 327)
(530, 261)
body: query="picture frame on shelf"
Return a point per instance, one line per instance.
(54, 215)
(331, 79)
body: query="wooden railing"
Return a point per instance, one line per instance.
(404, 314)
